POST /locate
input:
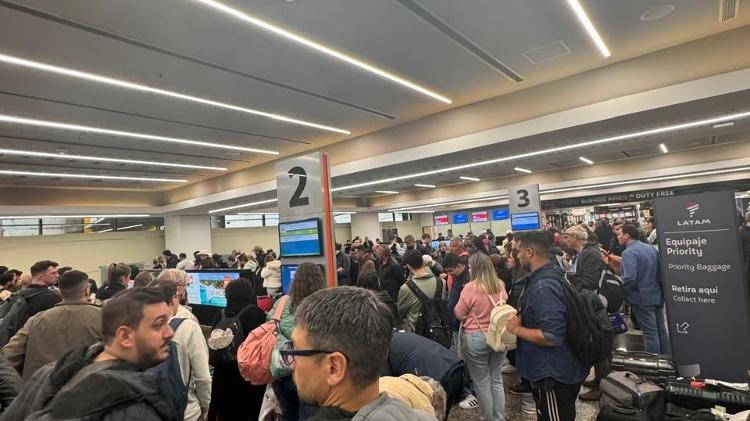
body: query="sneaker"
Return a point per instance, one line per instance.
(508, 369)
(591, 383)
(469, 402)
(592, 395)
(528, 406)
(520, 388)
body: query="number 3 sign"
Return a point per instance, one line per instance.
(524, 198)
(298, 185)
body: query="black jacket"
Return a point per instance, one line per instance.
(10, 383)
(588, 268)
(411, 353)
(745, 236)
(605, 235)
(342, 261)
(40, 298)
(118, 393)
(108, 291)
(391, 278)
(386, 299)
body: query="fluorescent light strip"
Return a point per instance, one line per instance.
(107, 230)
(453, 202)
(663, 148)
(586, 22)
(79, 128)
(427, 186)
(386, 192)
(74, 216)
(323, 49)
(468, 178)
(144, 88)
(523, 170)
(586, 160)
(244, 205)
(568, 147)
(89, 176)
(102, 159)
(722, 125)
(129, 226)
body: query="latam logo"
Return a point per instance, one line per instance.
(692, 208)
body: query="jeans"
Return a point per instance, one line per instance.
(654, 327)
(485, 367)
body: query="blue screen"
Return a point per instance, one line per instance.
(207, 287)
(500, 214)
(287, 275)
(524, 221)
(300, 238)
(435, 244)
(460, 218)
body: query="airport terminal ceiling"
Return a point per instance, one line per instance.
(162, 116)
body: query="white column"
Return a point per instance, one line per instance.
(366, 224)
(187, 233)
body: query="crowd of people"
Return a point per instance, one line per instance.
(74, 353)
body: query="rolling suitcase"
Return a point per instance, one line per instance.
(695, 394)
(633, 396)
(655, 367)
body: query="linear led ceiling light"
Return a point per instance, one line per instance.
(586, 160)
(722, 125)
(4, 118)
(663, 148)
(4, 58)
(567, 147)
(89, 176)
(386, 191)
(590, 29)
(322, 49)
(523, 170)
(469, 178)
(74, 216)
(14, 152)
(427, 186)
(129, 227)
(244, 205)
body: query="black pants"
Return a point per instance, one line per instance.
(555, 401)
(455, 384)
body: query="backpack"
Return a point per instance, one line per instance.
(225, 338)
(254, 354)
(170, 376)
(588, 331)
(610, 291)
(14, 312)
(432, 321)
(497, 337)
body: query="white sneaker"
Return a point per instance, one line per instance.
(528, 406)
(469, 402)
(508, 369)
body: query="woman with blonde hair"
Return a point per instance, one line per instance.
(478, 297)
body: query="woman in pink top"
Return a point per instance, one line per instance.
(474, 306)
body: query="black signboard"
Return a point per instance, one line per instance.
(704, 285)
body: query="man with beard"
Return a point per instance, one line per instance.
(106, 381)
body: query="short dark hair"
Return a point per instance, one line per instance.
(338, 246)
(61, 270)
(536, 240)
(183, 256)
(41, 266)
(631, 230)
(413, 258)
(6, 278)
(333, 320)
(452, 260)
(126, 309)
(369, 280)
(240, 292)
(167, 252)
(72, 283)
(167, 287)
(3, 269)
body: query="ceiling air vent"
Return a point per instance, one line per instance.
(728, 9)
(546, 52)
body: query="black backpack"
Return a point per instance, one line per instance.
(432, 322)
(170, 376)
(610, 290)
(225, 338)
(14, 312)
(588, 330)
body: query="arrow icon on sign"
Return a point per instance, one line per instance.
(682, 327)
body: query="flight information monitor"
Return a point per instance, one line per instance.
(481, 216)
(287, 275)
(460, 218)
(524, 221)
(441, 219)
(300, 238)
(500, 214)
(206, 287)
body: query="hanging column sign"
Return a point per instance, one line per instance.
(305, 220)
(524, 207)
(704, 285)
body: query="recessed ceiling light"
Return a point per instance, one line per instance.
(427, 186)
(386, 191)
(583, 18)
(463, 177)
(586, 160)
(546, 151)
(322, 49)
(721, 125)
(89, 176)
(244, 205)
(663, 148)
(523, 170)
(144, 88)
(74, 216)
(102, 159)
(658, 12)
(121, 133)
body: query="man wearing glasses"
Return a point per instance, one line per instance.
(336, 366)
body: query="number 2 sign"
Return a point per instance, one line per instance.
(298, 185)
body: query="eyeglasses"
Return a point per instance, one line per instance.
(288, 353)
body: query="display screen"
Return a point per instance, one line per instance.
(435, 244)
(460, 218)
(500, 214)
(206, 287)
(481, 216)
(300, 238)
(441, 219)
(524, 221)
(287, 275)
(385, 216)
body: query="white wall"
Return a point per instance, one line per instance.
(224, 240)
(343, 232)
(84, 252)
(404, 228)
(365, 224)
(187, 233)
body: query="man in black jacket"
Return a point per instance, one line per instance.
(343, 267)
(604, 233)
(390, 275)
(105, 381)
